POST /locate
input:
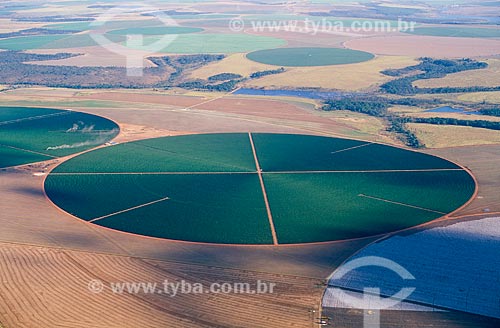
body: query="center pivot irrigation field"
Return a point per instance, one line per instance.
(30, 135)
(257, 188)
(309, 56)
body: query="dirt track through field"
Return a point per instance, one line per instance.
(264, 193)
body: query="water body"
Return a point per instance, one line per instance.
(449, 109)
(311, 94)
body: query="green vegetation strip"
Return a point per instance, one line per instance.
(156, 30)
(309, 56)
(203, 43)
(458, 32)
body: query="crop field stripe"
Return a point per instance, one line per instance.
(177, 154)
(129, 209)
(229, 172)
(28, 151)
(350, 148)
(402, 204)
(150, 173)
(264, 193)
(361, 171)
(35, 118)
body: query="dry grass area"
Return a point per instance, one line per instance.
(348, 77)
(420, 46)
(235, 63)
(458, 116)
(442, 136)
(490, 97)
(342, 77)
(488, 77)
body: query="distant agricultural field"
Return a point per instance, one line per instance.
(187, 41)
(309, 56)
(458, 32)
(257, 188)
(216, 43)
(156, 30)
(30, 135)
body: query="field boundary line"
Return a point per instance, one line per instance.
(150, 173)
(351, 148)
(129, 209)
(32, 118)
(264, 193)
(402, 204)
(361, 171)
(28, 151)
(212, 99)
(242, 172)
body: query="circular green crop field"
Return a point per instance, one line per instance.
(257, 188)
(309, 56)
(29, 135)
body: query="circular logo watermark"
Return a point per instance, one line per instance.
(380, 262)
(95, 286)
(134, 49)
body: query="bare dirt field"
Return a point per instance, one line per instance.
(91, 57)
(420, 46)
(483, 162)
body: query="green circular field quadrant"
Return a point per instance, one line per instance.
(29, 135)
(309, 56)
(206, 188)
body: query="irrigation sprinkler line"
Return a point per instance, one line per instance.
(32, 118)
(264, 193)
(150, 173)
(129, 209)
(361, 171)
(250, 172)
(351, 148)
(28, 151)
(402, 204)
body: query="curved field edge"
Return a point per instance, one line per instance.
(142, 207)
(29, 134)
